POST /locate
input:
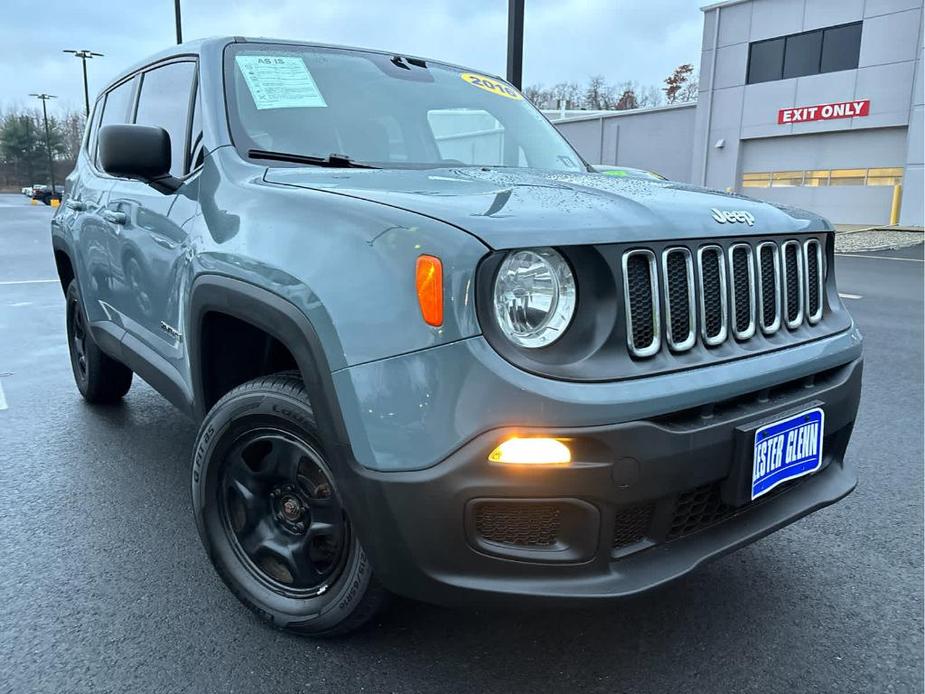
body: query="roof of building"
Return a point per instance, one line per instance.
(722, 3)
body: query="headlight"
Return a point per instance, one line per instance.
(534, 297)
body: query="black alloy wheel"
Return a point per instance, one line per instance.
(78, 340)
(281, 514)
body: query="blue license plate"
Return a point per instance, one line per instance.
(787, 449)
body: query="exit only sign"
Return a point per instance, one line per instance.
(843, 109)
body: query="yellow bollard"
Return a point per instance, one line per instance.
(896, 204)
(33, 201)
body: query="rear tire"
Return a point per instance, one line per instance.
(270, 517)
(100, 378)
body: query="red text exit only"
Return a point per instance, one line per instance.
(844, 109)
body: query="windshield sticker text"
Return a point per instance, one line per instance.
(491, 85)
(277, 81)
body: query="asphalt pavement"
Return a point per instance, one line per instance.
(104, 585)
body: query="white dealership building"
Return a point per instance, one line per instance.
(812, 103)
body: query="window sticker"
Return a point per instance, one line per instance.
(279, 82)
(491, 85)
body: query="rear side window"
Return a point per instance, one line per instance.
(164, 101)
(116, 108)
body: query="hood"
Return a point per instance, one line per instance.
(510, 208)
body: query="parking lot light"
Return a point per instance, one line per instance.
(51, 165)
(84, 55)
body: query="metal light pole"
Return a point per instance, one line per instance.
(51, 166)
(84, 55)
(176, 14)
(515, 42)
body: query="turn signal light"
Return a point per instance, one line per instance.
(532, 451)
(429, 281)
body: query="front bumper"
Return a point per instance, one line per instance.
(642, 504)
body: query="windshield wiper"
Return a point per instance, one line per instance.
(341, 161)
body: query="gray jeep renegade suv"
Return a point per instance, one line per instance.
(432, 351)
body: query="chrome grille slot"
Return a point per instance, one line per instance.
(792, 284)
(713, 308)
(768, 287)
(815, 278)
(640, 292)
(678, 273)
(691, 296)
(742, 290)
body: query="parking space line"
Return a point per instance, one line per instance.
(850, 296)
(2, 398)
(881, 257)
(11, 282)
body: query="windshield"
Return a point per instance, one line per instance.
(383, 110)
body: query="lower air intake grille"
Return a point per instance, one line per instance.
(523, 525)
(697, 509)
(631, 524)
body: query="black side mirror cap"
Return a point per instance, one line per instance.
(141, 152)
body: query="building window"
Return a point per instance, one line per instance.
(885, 176)
(807, 53)
(848, 177)
(840, 48)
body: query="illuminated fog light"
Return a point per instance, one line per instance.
(532, 451)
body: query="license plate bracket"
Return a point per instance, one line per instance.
(748, 481)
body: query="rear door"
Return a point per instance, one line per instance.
(152, 247)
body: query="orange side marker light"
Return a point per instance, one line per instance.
(429, 281)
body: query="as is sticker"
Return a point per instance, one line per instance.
(491, 85)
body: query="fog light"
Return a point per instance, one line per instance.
(532, 451)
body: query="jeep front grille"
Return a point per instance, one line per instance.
(678, 270)
(813, 260)
(769, 287)
(712, 294)
(720, 292)
(640, 288)
(742, 290)
(793, 284)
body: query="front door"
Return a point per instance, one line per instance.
(150, 250)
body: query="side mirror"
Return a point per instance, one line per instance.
(141, 152)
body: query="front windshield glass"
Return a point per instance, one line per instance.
(383, 110)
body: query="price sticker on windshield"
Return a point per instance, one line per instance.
(279, 81)
(491, 85)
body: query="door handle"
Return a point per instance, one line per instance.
(114, 217)
(164, 243)
(75, 205)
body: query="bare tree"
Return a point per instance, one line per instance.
(568, 92)
(539, 96)
(72, 131)
(599, 95)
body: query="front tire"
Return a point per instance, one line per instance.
(270, 516)
(100, 378)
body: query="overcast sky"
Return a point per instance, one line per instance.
(564, 40)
